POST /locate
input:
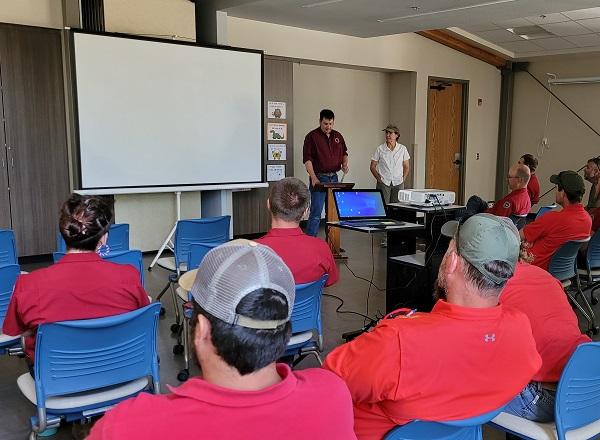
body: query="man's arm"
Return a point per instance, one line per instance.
(370, 364)
(405, 169)
(314, 180)
(345, 168)
(374, 170)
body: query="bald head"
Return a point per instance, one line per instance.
(518, 176)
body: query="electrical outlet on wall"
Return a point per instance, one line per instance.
(476, 156)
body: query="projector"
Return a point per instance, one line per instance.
(426, 197)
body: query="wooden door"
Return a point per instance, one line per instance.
(444, 136)
(4, 197)
(34, 110)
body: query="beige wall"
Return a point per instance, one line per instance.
(44, 13)
(403, 88)
(571, 143)
(360, 100)
(405, 52)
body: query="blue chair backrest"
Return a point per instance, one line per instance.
(118, 239)
(563, 263)
(593, 251)
(544, 209)
(306, 314)
(8, 278)
(200, 230)
(57, 256)
(132, 257)
(578, 394)
(519, 220)
(83, 355)
(8, 247)
(197, 253)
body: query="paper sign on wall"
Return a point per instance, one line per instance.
(276, 110)
(277, 152)
(275, 172)
(276, 132)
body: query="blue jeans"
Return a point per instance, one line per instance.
(533, 403)
(317, 201)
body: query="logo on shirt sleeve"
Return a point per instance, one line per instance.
(506, 204)
(337, 140)
(489, 337)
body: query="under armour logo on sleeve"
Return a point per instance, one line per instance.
(489, 337)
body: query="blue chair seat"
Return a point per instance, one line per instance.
(524, 428)
(8, 278)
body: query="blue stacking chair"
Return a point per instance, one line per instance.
(84, 367)
(195, 256)
(201, 230)
(545, 209)
(118, 239)
(8, 278)
(466, 429)
(132, 257)
(591, 273)
(563, 267)
(8, 248)
(577, 406)
(307, 332)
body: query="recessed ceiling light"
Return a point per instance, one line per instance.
(530, 32)
(415, 8)
(327, 2)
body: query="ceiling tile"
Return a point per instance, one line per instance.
(520, 46)
(547, 18)
(512, 23)
(499, 36)
(582, 14)
(554, 43)
(565, 29)
(481, 27)
(592, 24)
(585, 40)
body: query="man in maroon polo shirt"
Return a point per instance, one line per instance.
(324, 154)
(307, 257)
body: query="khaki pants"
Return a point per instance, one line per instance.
(390, 192)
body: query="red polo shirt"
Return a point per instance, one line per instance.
(79, 286)
(325, 152)
(533, 189)
(307, 257)
(308, 404)
(516, 202)
(550, 231)
(453, 363)
(554, 325)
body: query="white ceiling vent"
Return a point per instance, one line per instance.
(531, 32)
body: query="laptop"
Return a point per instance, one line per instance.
(362, 207)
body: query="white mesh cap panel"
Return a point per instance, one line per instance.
(231, 271)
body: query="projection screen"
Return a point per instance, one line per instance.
(159, 114)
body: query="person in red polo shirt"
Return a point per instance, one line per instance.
(81, 285)
(516, 202)
(243, 296)
(469, 356)
(550, 231)
(307, 257)
(533, 187)
(555, 329)
(324, 154)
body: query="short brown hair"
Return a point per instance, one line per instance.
(84, 220)
(530, 161)
(288, 199)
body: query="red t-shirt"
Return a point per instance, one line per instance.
(516, 202)
(308, 404)
(451, 364)
(550, 231)
(79, 286)
(325, 153)
(554, 325)
(307, 257)
(533, 189)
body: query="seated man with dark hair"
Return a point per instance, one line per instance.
(307, 257)
(469, 356)
(517, 202)
(549, 232)
(243, 297)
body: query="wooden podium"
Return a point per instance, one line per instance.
(333, 234)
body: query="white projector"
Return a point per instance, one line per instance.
(426, 197)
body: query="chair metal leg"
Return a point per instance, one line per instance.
(586, 302)
(175, 305)
(163, 291)
(580, 308)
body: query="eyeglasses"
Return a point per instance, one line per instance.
(512, 177)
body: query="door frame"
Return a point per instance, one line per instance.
(463, 128)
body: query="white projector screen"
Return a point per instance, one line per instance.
(153, 113)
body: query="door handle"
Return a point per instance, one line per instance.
(457, 162)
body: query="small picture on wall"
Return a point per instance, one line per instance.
(276, 132)
(276, 110)
(277, 152)
(275, 172)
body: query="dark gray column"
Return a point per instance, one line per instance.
(504, 127)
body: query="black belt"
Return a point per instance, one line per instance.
(326, 174)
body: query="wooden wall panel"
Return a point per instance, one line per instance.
(31, 62)
(250, 214)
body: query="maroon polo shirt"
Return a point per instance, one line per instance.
(325, 153)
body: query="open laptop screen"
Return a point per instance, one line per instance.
(359, 204)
